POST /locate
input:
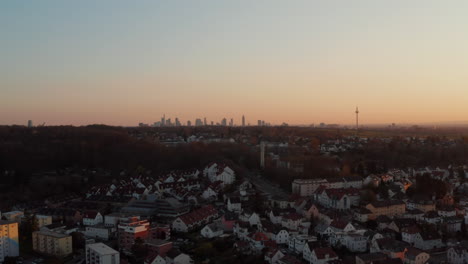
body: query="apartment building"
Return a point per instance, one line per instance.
(52, 243)
(100, 253)
(9, 239)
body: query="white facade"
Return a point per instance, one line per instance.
(211, 231)
(98, 231)
(99, 253)
(216, 172)
(98, 219)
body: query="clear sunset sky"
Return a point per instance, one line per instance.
(123, 62)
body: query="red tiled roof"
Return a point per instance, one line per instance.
(198, 214)
(322, 252)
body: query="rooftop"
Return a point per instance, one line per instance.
(102, 249)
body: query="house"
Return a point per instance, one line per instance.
(211, 192)
(457, 255)
(311, 210)
(399, 223)
(174, 256)
(99, 231)
(389, 208)
(341, 226)
(91, 218)
(361, 214)
(428, 240)
(432, 217)
(415, 256)
(297, 242)
(234, 204)
(212, 230)
(251, 217)
(194, 219)
(228, 220)
(291, 221)
(424, 205)
(272, 256)
(409, 234)
(452, 224)
(391, 247)
(354, 242)
(155, 259)
(241, 230)
(321, 255)
(340, 199)
(370, 258)
(257, 241)
(288, 259)
(219, 172)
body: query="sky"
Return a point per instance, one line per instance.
(120, 62)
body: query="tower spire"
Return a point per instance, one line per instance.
(357, 119)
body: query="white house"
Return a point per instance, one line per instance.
(219, 172)
(457, 255)
(155, 259)
(234, 204)
(272, 256)
(99, 231)
(291, 221)
(92, 218)
(251, 217)
(212, 230)
(425, 240)
(409, 234)
(194, 219)
(322, 255)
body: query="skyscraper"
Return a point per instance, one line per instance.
(163, 120)
(231, 123)
(224, 122)
(204, 121)
(30, 123)
(198, 122)
(243, 120)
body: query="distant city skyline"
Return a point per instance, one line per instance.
(117, 62)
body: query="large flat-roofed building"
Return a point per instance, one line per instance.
(100, 253)
(9, 239)
(130, 230)
(307, 187)
(52, 243)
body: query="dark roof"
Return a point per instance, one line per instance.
(368, 258)
(321, 253)
(387, 203)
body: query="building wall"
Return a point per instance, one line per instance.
(95, 257)
(45, 243)
(9, 240)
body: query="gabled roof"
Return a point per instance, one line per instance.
(339, 224)
(198, 214)
(322, 253)
(90, 214)
(412, 253)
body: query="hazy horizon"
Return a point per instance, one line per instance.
(299, 62)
